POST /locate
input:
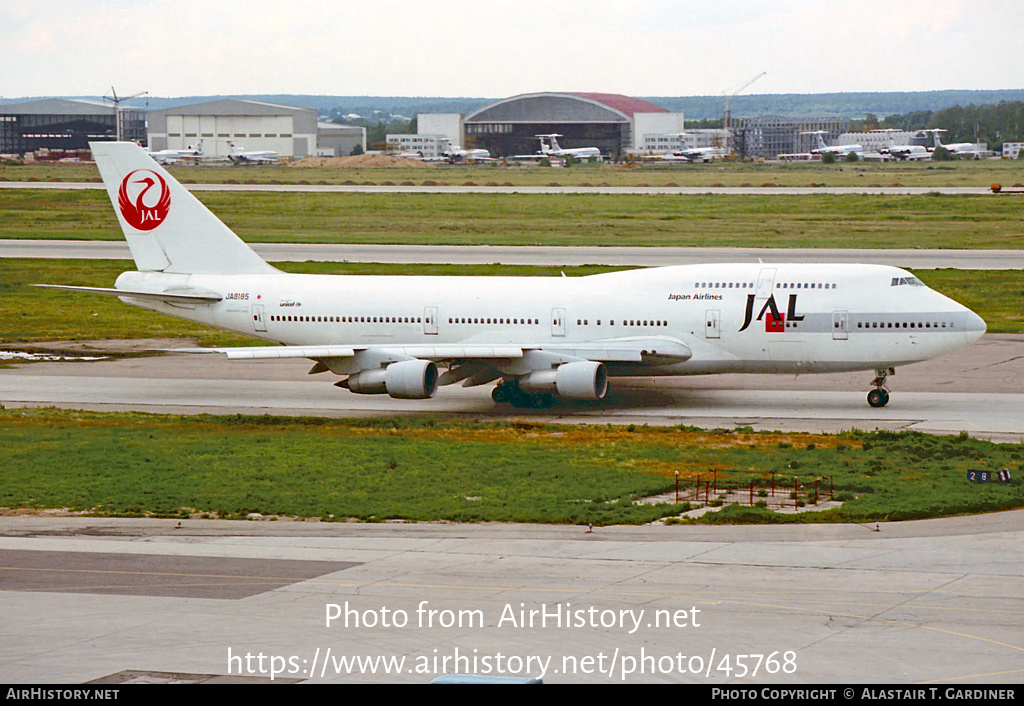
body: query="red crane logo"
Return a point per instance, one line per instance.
(138, 214)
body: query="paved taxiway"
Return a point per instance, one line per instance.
(465, 189)
(931, 601)
(549, 256)
(979, 390)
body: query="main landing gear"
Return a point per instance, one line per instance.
(508, 391)
(879, 397)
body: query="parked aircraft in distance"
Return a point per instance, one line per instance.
(905, 152)
(191, 153)
(702, 154)
(538, 337)
(838, 150)
(239, 156)
(969, 150)
(549, 148)
(454, 153)
(697, 154)
(690, 154)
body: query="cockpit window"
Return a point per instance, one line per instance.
(913, 281)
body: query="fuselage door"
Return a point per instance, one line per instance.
(840, 325)
(258, 323)
(430, 320)
(765, 282)
(712, 323)
(558, 321)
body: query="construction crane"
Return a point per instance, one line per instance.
(728, 115)
(117, 107)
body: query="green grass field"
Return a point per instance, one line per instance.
(391, 469)
(817, 221)
(962, 173)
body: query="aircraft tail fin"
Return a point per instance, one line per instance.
(167, 228)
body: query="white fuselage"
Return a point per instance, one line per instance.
(909, 152)
(759, 318)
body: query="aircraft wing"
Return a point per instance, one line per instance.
(643, 350)
(573, 370)
(434, 353)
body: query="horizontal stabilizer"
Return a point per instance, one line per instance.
(172, 297)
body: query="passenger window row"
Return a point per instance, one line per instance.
(805, 285)
(723, 285)
(778, 285)
(625, 322)
(350, 319)
(485, 320)
(904, 324)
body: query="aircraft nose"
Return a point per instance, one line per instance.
(974, 326)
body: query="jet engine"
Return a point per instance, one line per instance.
(405, 380)
(586, 380)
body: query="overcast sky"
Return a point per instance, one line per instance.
(481, 48)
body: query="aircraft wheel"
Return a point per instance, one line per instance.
(500, 393)
(878, 398)
(523, 400)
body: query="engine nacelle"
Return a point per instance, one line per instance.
(411, 379)
(586, 380)
(367, 382)
(406, 380)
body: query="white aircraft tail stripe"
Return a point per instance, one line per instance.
(167, 228)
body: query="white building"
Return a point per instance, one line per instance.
(252, 126)
(335, 140)
(676, 142)
(426, 146)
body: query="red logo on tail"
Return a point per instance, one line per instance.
(137, 212)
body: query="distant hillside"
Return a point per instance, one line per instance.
(325, 105)
(850, 105)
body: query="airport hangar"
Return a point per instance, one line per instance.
(254, 126)
(64, 125)
(612, 122)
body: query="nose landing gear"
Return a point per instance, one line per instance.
(879, 397)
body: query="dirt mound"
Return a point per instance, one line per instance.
(360, 160)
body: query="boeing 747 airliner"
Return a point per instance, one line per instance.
(538, 337)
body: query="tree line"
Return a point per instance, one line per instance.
(991, 124)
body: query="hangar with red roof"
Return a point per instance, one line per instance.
(612, 122)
